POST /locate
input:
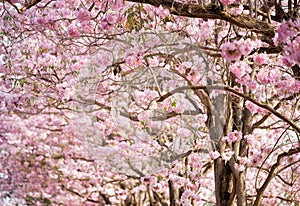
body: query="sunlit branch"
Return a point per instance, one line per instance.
(230, 89)
(272, 172)
(212, 12)
(134, 117)
(25, 7)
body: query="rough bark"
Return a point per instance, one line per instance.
(223, 183)
(213, 12)
(172, 193)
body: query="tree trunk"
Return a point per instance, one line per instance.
(229, 185)
(223, 183)
(241, 189)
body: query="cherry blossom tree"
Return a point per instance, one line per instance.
(149, 102)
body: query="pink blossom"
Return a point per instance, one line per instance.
(40, 20)
(148, 180)
(181, 69)
(227, 155)
(287, 61)
(289, 85)
(243, 160)
(246, 46)
(84, 15)
(162, 12)
(195, 161)
(251, 84)
(233, 136)
(112, 18)
(288, 34)
(295, 50)
(268, 76)
(240, 69)
(134, 59)
(251, 107)
(59, 104)
(256, 159)
(239, 167)
(115, 4)
(183, 66)
(231, 51)
(214, 154)
(183, 132)
(227, 2)
(286, 31)
(261, 59)
(297, 171)
(237, 10)
(267, 149)
(104, 25)
(73, 31)
(254, 108)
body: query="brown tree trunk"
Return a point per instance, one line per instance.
(172, 193)
(241, 189)
(223, 183)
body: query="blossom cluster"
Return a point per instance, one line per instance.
(288, 35)
(233, 51)
(76, 132)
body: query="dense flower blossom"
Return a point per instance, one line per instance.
(233, 136)
(246, 46)
(267, 76)
(243, 160)
(289, 85)
(261, 59)
(183, 132)
(231, 51)
(162, 12)
(286, 31)
(40, 20)
(134, 59)
(113, 102)
(112, 18)
(294, 50)
(288, 35)
(256, 159)
(83, 15)
(73, 31)
(254, 108)
(240, 69)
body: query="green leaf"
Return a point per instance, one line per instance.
(144, 124)
(130, 22)
(159, 178)
(29, 199)
(173, 103)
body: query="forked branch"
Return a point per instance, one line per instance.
(212, 12)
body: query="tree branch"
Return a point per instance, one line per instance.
(230, 89)
(26, 6)
(271, 174)
(212, 12)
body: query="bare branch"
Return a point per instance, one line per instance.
(230, 89)
(271, 174)
(26, 6)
